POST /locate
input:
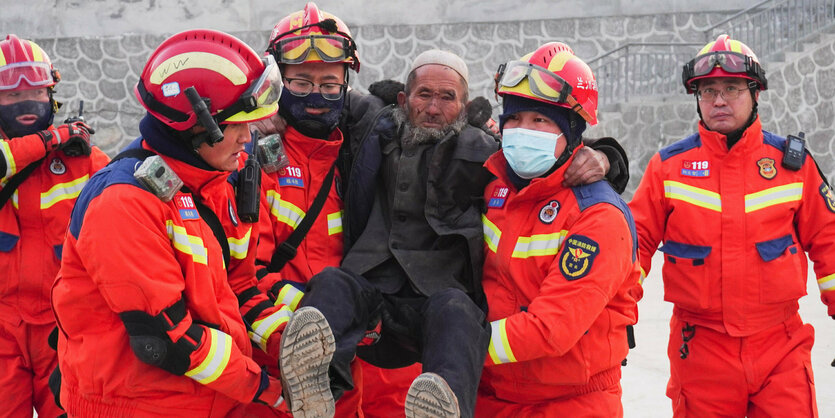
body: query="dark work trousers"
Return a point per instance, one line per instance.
(447, 331)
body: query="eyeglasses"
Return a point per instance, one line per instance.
(542, 83)
(330, 48)
(728, 93)
(35, 73)
(300, 87)
(732, 62)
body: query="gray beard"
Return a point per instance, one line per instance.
(418, 135)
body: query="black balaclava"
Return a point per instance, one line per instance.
(291, 108)
(15, 129)
(172, 143)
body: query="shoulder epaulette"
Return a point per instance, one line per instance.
(601, 192)
(686, 144)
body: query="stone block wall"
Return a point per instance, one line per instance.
(103, 70)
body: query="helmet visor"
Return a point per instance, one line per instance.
(329, 48)
(542, 83)
(35, 74)
(259, 100)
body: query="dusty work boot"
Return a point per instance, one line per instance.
(307, 346)
(429, 397)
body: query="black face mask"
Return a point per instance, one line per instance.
(15, 129)
(316, 126)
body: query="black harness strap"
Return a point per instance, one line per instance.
(286, 251)
(16, 180)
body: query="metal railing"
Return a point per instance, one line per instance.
(769, 27)
(641, 69)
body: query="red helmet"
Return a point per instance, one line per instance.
(237, 84)
(724, 57)
(554, 75)
(312, 35)
(24, 65)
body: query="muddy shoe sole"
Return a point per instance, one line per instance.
(307, 346)
(430, 396)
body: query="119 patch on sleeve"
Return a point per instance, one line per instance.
(577, 256)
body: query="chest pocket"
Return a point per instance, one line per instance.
(782, 275)
(686, 279)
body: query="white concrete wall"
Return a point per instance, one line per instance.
(78, 18)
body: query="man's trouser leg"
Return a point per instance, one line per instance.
(455, 339)
(26, 361)
(758, 375)
(347, 301)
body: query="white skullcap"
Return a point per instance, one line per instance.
(445, 58)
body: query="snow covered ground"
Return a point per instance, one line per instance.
(645, 377)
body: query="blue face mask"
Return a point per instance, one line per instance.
(530, 153)
(317, 126)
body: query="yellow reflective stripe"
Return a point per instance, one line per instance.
(262, 329)
(335, 223)
(63, 191)
(289, 296)
(14, 200)
(11, 167)
(215, 362)
(827, 283)
(538, 245)
(285, 212)
(36, 52)
(693, 195)
(491, 233)
(238, 247)
(643, 276)
(499, 349)
(186, 243)
(774, 196)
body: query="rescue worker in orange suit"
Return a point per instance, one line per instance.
(737, 345)
(42, 169)
(314, 50)
(167, 274)
(559, 261)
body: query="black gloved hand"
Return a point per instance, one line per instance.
(78, 142)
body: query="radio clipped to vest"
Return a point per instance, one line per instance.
(794, 152)
(271, 153)
(248, 190)
(158, 177)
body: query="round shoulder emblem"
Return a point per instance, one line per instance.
(57, 167)
(549, 212)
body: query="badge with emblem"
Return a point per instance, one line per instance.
(549, 212)
(577, 256)
(290, 176)
(828, 198)
(185, 204)
(767, 169)
(232, 215)
(695, 168)
(57, 167)
(498, 197)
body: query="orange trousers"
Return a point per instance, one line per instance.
(768, 374)
(26, 361)
(384, 390)
(603, 403)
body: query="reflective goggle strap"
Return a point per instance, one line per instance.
(327, 24)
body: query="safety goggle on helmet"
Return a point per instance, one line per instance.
(24, 65)
(236, 83)
(549, 83)
(724, 57)
(311, 35)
